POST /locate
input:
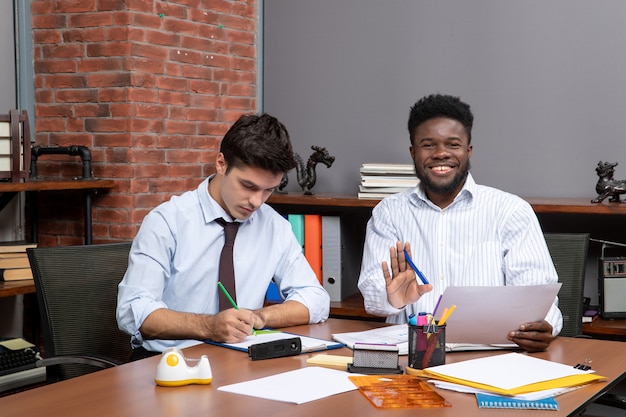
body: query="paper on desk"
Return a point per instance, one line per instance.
(529, 396)
(511, 374)
(398, 335)
(388, 335)
(485, 315)
(299, 386)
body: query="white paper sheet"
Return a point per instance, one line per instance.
(299, 386)
(485, 315)
(388, 335)
(507, 371)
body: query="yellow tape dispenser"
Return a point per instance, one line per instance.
(173, 370)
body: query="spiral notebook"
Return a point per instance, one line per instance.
(502, 401)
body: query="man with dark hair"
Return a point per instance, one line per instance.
(169, 295)
(461, 233)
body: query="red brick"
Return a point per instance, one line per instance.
(69, 50)
(48, 21)
(77, 96)
(92, 65)
(66, 81)
(206, 102)
(172, 142)
(72, 6)
(83, 20)
(47, 36)
(172, 10)
(84, 35)
(173, 126)
(152, 157)
(143, 95)
(111, 5)
(184, 171)
(109, 49)
(106, 125)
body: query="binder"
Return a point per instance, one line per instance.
(340, 269)
(313, 243)
(502, 401)
(297, 225)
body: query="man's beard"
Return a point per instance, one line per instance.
(429, 185)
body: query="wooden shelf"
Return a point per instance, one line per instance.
(322, 199)
(55, 185)
(10, 288)
(574, 206)
(612, 329)
(540, 205)
(352, 308)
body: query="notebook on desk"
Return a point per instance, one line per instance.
(309, 344)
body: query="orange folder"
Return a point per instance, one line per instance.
(313, 242)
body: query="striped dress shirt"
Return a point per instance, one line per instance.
(486, 237)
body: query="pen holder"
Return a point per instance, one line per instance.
(427, 346)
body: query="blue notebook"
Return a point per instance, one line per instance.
(502, 401)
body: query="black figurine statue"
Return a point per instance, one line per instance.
(606, 185)
(306, 175)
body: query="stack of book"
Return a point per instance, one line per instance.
(382, 180)
(14, 264)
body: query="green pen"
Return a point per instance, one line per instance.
(232, 302)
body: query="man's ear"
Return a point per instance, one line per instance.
(220, 164)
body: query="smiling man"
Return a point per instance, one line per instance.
(169, 294)
(457, 232)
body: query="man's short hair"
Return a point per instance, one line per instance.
(259, 141)
(438, 105)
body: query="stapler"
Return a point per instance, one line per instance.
(173, 370)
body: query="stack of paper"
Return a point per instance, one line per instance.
(382, 180)
(511, 374)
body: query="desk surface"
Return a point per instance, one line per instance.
(130, 390)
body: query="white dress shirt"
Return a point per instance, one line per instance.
(485, 237)
(174, 263)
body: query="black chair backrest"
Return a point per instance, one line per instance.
(569, 254)
(77, 297)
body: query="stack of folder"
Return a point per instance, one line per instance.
(511, 380)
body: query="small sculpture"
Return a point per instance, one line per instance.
(606, 185)
(306, 175)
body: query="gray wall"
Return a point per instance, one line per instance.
(546, 81)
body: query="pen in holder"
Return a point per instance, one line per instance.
(427, 345)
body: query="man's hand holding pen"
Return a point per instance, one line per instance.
(401, 281)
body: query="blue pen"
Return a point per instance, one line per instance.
(417, 271)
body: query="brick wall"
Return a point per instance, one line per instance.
(150, 87)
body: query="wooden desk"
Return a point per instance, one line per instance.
(9, 189)
(130, 390)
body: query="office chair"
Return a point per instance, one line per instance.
(569, 254)
(77, 297)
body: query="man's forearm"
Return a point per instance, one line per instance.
(289, 313)
(168, 324)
